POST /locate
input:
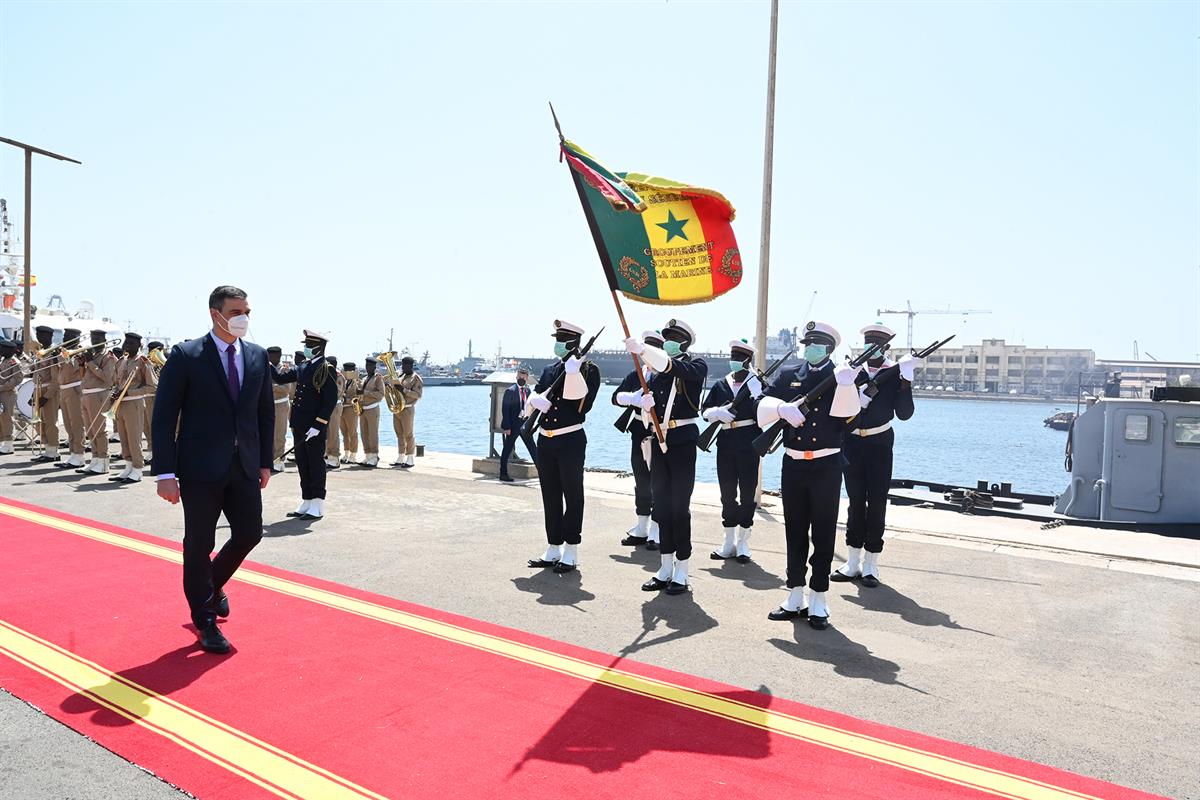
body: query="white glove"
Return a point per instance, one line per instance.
(646, 401)
(539, 402)
(572, 365)
(718, 414)
(635, 346)
(863, 400)
(791, 414)
(845, 374)
(908, 366)
(629, 398)
(311, 433)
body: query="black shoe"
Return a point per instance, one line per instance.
(506, 479)
(116, 478)
(781, 614)
(212, 640)
(64, 465)
(715, 555)
(563, 569)
(310, 517)
(332, 466)
(294, 514)
(651, 545)
(541, 563)
(634, 541)
(870, 581)
(743, 559)
(221, 605)
(655, 585)
(43, 458)
(406, 465)
(676, 588)
(818, 623)
(838, 577)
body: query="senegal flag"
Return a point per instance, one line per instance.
(661, 241)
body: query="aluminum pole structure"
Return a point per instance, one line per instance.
(764, 241)
(29, 149)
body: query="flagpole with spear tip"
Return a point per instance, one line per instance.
(606, 265)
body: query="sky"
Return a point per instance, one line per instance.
(365, 167)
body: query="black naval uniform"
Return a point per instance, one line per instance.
(737, 461)
(868, 468)
(311, 408)
(560, 458)
(642, 498)
(673, 473)
(811, 488)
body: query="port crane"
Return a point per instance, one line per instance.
(910, 312)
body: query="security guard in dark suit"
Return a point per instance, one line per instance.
(868, 451)
(562, 445)
(737, 461)
(675, 398)
(812, 467)
(629, 394)
(312, 406)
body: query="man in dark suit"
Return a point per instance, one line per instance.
(512, 405)
(216, 392)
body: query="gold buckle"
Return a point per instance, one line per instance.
(808, 455)
(548, 434)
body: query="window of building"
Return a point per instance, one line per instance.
(1035, 360)
(992, 359)
(935, 358)
(972, 359)
(954, 359)
(1187, 431)
(1014, 360)
(1056, 361)
(1137, 428)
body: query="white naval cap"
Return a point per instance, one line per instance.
(821, 333)
(324, 337)
(682, 327)
(742, 344)
(562, 326)
(876, 332)
(652, 336)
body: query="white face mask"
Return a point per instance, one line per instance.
(236, 326)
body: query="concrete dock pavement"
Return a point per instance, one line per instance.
(1072, 647)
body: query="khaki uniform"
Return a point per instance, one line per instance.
(8, 395)
(411, 387)
(131, 414)
(70, 400)
(283, 406)
(332, 448)
(368, 423)
(349, 421)
(148, 418)
(45, 398)
(99, 374)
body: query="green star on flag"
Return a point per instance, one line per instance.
(673, 227)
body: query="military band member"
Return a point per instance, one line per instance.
(812, 467)
(562, 445)
(312, 406)
(333, 442)
(368, 421)
(70, 401)
(675, 397)
(411, 388)
(134, 376)
(737, 461)
(868, 451)
(282, 394)
(11, 375)
(348, 424)
(160, 348)
(99, 375)
(629, 394)
(45, 394)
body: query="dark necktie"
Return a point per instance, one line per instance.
(235, 380)
(522, 390)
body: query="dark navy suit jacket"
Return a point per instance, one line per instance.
(510, 407)
(193, 393)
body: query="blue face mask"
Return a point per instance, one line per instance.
(815, 353)
(736, 366)
(672, 349)
(560, 349)
(308, 352)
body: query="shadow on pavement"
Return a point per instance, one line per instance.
(676, 616)
(848, 658)
(885, 599)
(751, 575)
(556, 590)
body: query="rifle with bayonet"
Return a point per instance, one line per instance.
(767, 441)
(871, 387)
(710, 433)
(535, 419)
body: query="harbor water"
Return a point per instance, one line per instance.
(946, 441)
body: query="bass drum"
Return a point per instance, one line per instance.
(25, 398)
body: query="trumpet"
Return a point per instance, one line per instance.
(54, 348)
(391, 394)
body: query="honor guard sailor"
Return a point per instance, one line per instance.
(99, 376)
(350, 411)
(134, 377)
(868, 451)
(45, 394)
(312, 407)
(812, 467)
(282, 396)
(372, 392)
(563, 395)
(70, 400)
(629, 394)
(12, 374)
(737, 462)
(675, 398)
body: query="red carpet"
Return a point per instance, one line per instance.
(335, 692)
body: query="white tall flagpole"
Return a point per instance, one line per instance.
(764, 244)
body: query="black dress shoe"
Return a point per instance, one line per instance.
(655, 585)
(506, 479)
(818, 623)
(634, 541)
(838, 577)
(541, 563)
(651, 545)
(563, 569)
(294, 514)
(310, 517)
(676, 588)
(715, 555)
(870, 581)
(781, 614)
(42, 459)
(221, 605)
(212, 640)
(744, 559)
